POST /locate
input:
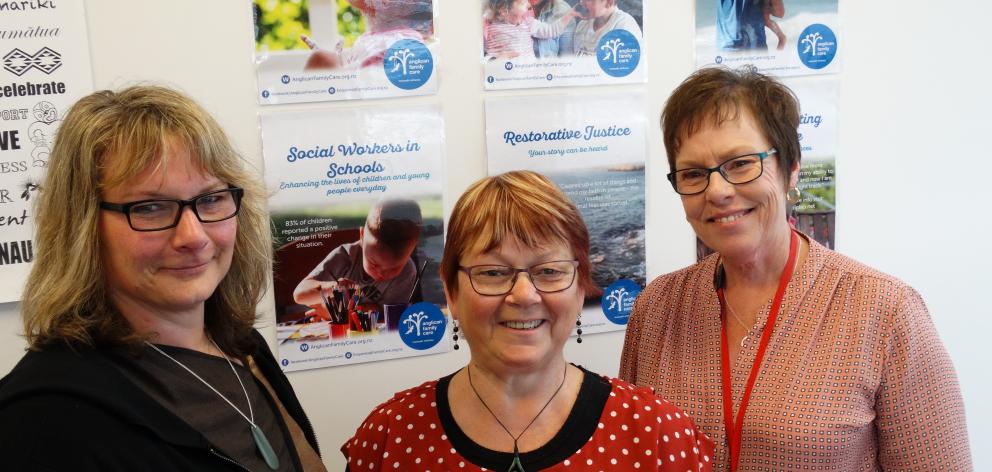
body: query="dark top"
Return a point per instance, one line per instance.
(174, 387)
(73, 410)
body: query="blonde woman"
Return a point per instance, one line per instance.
(153, 250)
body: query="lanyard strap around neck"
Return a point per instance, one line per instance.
(734, 426)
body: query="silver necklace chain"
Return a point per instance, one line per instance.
(737, 318)
(251, 420)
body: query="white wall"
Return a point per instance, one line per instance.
(912, 168)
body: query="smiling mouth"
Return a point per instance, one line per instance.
(189, 267)
(523, 324)
(731, 218)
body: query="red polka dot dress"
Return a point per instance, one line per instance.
(613, 426)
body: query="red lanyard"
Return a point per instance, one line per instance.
(733, 427)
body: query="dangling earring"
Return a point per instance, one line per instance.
(793, 195)
(454, 337)
(578, 329)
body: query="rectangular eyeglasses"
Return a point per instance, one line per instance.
(547, 277)
(736, 170)
(160, 214)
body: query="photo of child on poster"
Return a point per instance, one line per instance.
(348, 277)
(319, 50)
(547, 43)
(780, 37)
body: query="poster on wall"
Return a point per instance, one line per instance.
(815, 212)
(593, 146)
(358, 221)
(778, 37)
(46, 68)
(558, 43)
(326, 50)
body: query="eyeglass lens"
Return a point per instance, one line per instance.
(215, 206)
(552, 276)
(739, 170)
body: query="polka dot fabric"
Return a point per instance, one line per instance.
(637, 431)
(855, 377)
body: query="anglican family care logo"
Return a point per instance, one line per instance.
(618, 300)
(408, 64)
(817, 46)
(422, 325)
(618, 53)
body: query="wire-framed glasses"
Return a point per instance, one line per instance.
(547, 277)
(736, 170)
(159, 214)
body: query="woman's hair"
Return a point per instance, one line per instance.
(521, 204)
(66, 296)
(714, 95)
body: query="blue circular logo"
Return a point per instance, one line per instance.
(284, 362)
(284, 79)
(332, 90)
(265, 94)
(508, 66)
(408, 64)
(718, 60)
(817, 46)
(618, 300)
(304, 347)
(422, 325)
(347, 355)
(490, 79)
(618, 53)
(550, 77)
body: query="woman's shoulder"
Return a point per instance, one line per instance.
(417, 399)
(849, 271)
(642, 401)
(684, 278)
(638, 416)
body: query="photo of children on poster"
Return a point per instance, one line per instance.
(357, 213)
(777, 37)
(554, 43)
(593, 147)
(324, 50)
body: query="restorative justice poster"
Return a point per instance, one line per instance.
(45, 56)
(593, 146)
(778, 37)
(560, 43)
(329, 50)
(356, 209)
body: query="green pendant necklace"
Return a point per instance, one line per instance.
(516, 465)
(261, 442)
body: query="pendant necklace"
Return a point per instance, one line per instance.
(261, 442)
(516, 465)
(737, 318)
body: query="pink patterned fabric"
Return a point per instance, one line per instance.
(855, 377)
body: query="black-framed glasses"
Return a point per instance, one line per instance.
(547, 277)
(736, 170)
(159, 214)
